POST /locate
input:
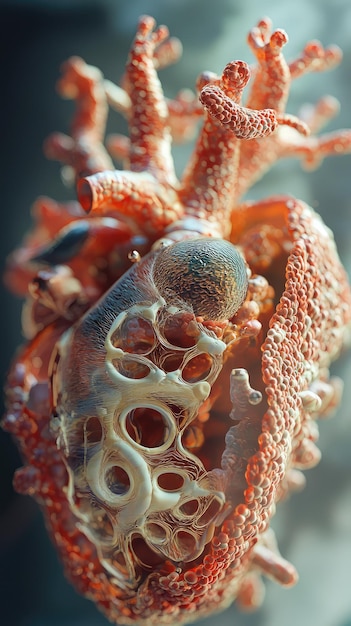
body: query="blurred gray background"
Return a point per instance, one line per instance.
(314, 528)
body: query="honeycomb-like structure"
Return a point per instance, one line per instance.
(125, 405)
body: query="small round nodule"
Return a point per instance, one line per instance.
(207, 274)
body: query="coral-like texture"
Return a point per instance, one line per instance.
(178, 341)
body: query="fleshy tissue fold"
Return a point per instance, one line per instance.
(178, 339)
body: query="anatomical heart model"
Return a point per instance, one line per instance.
(178, 340)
